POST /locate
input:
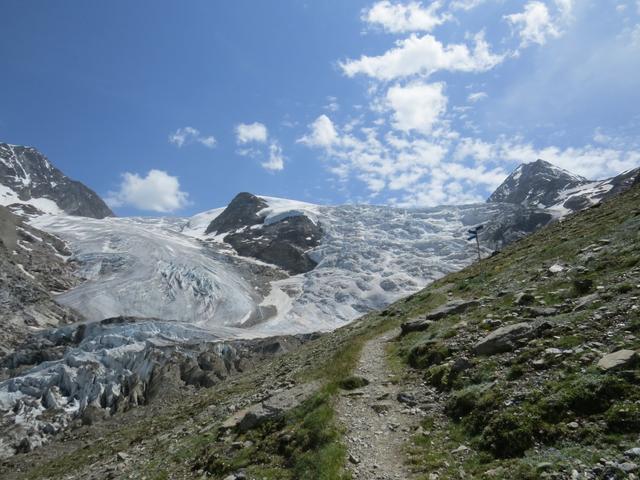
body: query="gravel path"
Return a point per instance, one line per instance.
(377, 424)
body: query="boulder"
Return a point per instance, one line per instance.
(504, 339)
(452, 308)
(618, 360)
(416, 325)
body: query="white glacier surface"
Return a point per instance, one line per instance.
(369, 256)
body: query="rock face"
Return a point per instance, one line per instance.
(32, 265)
(284, 242)
(241, 212)
(26, 176)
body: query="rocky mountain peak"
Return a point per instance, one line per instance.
(241, 212)
(27, 177)
(282, 239)
(536, 184)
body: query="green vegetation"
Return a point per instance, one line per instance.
(547, 392)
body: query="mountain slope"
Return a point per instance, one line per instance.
(555, 372)
(33, 267)
(27, 177)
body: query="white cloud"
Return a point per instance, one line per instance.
(536, 24)
(476, 97)
(253, 136)
(276, 159)
(424, 56)
(189, 135)
(593, 162)
(402, 18)
(322, 133)
(417, 106)
(157, 192)
(251, 132)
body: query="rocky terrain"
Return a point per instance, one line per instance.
(33, 267)
(27, 177)
(520, 366)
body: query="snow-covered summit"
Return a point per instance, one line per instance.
(541, 184)
(28, 178)
(536, 184)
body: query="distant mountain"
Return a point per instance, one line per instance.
(543, 185)
(28, 178)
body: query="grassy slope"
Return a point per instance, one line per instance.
(180, 439)
(545, 406)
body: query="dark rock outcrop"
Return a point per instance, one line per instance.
(29, 174)
(283, 243)
(241, 212)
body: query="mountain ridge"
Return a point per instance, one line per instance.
(543, 185)
(27, 177)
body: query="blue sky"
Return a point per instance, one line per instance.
(170, 107)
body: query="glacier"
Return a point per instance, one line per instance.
(169, 268)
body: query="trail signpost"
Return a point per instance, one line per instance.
(473, 235)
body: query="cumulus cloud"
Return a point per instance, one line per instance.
(188, 135)
(322, 133)
(536, 24)
(593, 162)
(425, 170)
(417, 106)
(403, 18)
(424, 55)
(157, 192)
(254, 137)
(251, 132)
